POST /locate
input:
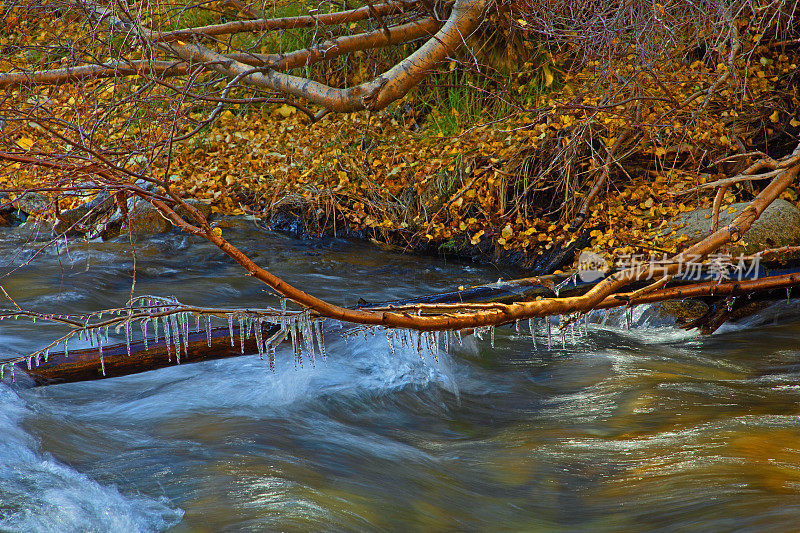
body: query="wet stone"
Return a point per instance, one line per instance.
(145, 219)
(203, 207)
(32, 203)
(778, 225)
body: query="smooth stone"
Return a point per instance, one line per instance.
(32, 203)
(144, 219)
(201, 206)
(778, 225)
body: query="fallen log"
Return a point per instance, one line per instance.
(123, 359)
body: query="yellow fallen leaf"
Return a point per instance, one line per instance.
(285, 110)
(507, 231)
(794, 122)
(25, 143)
(775, 117)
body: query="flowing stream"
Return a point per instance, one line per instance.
(641, 429)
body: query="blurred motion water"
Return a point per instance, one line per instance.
(641, 429)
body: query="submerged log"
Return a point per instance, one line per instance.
(120, 360)
(87, 364)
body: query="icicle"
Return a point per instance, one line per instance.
(271, 343)
(586, 323)
(296, 342)
(729, 304)
(532, 328)
(788, 295)
(155, 329)
(185, 320)
(230, 328)
(197, 322)
(176, 337)
(549, 331)
(308, 337)
(100, 348)
(318, 325)
(127, 336)
(458, 335)
(46, 354)
(283, 306)
(102, 365)
(208, 330)
(30, 361)
(491, 330)
(242, 332)
(389, 342)
(143, 324)
(433, 348)
(259, 345)
(167, 338)
(66, 348)
(106, 333)
(516, 325)
(2, 371)
(563, 333)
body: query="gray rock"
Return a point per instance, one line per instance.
(144, 219)
(779, 225)
(32, 202)
(203, 207)
(99, 207)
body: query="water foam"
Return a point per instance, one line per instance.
(38, 493)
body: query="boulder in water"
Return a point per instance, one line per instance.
(778, 225)
(32, 203)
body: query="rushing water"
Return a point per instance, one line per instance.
(652, 428)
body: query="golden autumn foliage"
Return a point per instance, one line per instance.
(449, 170)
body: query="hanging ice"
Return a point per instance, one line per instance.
(532, 329)
(549, 331)
(318, 324)
(143, 324)
(176, 337)
(259, 345)
(241, 332)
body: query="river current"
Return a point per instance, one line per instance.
(647, 428)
